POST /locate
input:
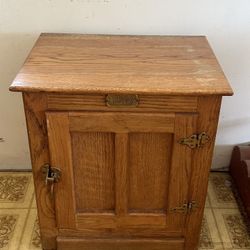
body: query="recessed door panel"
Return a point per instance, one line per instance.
(93, 155)
(148, 169)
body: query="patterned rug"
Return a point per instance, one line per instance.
(224, 227)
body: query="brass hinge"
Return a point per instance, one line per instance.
(195, 141)
(185, 208)
(51, 176)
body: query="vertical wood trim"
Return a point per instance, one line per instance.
(121, 163)
(180, 171)
(61, 157)
(209, 108)
(35, 105)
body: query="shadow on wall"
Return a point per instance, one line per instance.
(222, 156)
(231, 132)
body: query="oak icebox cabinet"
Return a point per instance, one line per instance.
(121, 132)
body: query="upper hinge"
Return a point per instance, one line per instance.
(185, 208)
(195, 140)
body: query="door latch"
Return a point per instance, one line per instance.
(51, 176)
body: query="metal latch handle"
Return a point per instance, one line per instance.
(51, 175)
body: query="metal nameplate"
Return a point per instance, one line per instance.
(114, 100)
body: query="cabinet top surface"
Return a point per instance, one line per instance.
(72, 63)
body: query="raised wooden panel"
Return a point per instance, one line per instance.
(121, 244)
(148, 170)
(146, 103)
(93, 155)
(121, 122)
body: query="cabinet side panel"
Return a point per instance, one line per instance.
(149, 160)
(35, 105)
(94, 174)
(208, 108)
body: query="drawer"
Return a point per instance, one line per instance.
(64, 243)
(150, 103)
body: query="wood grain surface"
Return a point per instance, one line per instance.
(35, 106)
(61, 157)
(93, 157)
(148, 170)
(121, 244)
(209, 108)
(172, 65)
(147, 103)
(121, 122)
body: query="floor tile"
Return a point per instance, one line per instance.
(12, 223)
(16, 190)
(232, 229)
(220, 191)
(31, 237)
(209, 238)
(223, 226)
(207, 204)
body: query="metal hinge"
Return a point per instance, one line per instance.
(185, 208)
(195, 141)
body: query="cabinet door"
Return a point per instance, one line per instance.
(120, 170)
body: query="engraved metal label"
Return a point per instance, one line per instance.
(113, 100)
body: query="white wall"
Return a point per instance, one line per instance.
(226, 23)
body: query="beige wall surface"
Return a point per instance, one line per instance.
(226, 23)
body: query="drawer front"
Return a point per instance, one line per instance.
(121, 244)
(135, 103)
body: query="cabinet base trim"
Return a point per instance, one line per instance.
(65, 243)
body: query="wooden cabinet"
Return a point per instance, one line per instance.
(124, 129)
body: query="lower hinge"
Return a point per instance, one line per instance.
(185, 208)
(195, 140)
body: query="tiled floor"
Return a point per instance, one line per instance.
(223, 225)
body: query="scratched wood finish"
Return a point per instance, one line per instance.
(35, 106)
(121, 244)
(171, 65)
(147, 103)
(148, 169)
(93, 157)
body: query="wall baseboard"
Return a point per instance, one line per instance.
(15, 170)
